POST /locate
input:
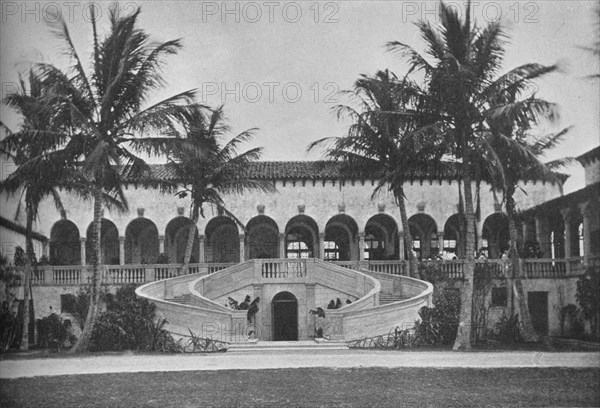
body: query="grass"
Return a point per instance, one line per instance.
(312, 387)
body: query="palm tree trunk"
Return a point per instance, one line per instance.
(84, 341)
(527, 331)
(408, 241)
(190, 241)
(29, 260)
(463, 336)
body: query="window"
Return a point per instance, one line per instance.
(297, 249)
(374, 248)
(332, 252)
(68, 303)
(499, 296)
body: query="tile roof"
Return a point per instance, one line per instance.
(310, 170)
(317, 170)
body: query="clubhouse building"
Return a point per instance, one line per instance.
(320, 237)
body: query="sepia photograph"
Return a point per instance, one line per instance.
(311, 203)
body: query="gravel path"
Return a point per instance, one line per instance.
(351, 358)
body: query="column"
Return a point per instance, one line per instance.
(587, 238)
(567, 221)
(161, 244)
(242, 247)
(440, 237)
(82, 242)
(121, 250)
(281, 246)
(321, 245)
(201, 255)
(401, 245)
(45, 248)
(361, 246)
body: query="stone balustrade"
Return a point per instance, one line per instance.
(70, 275)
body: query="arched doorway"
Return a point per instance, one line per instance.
(222, 240)
(301, 234)
(340, 239)
(65, 244)
(109, 243)
(495, 235)
(455, 230)
(176, 239)
(141, 242)
(424, 233)
(285, 317)
(381, 232)
(262, 239)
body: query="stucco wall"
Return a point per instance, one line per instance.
(321, 201)
(560, 293)
(10, 240)
(592, 172)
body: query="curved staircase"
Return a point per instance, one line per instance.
(197, 302)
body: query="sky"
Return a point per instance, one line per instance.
(279, 65)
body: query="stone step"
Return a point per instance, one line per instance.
(385, 298)
(182, 299)
(286, 346)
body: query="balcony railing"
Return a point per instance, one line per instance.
(284, 268)
(296, 268)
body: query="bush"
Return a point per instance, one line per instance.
(78, 305)
(129, 324)
(507, 329)
(54, 331)
(10, 328)
(588, 287)
(436, 327)
(163, 259)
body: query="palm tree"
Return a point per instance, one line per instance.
(108, 114)
(462, 84)
(36, 177)
(383, 137)
(206, 169)
(519, 157)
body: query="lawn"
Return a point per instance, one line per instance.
(312, 387)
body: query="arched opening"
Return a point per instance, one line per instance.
(285, 317)
(580, 238)
(556, 236)
(176, 239)
(455, 230)
(109, 243)
(340, 239)
(495, 236)
(141, 242)
(576, 234)
(65, 246)
(381, 238)
(424, 233)
(301, 240)
(263, 238)
(222, 240)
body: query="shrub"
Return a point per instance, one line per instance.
(163, 259)
(78, 305)
(54, 331)
(436, 328)
(10, 328)
(129, 324)
(588, 287)
(507, 329)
